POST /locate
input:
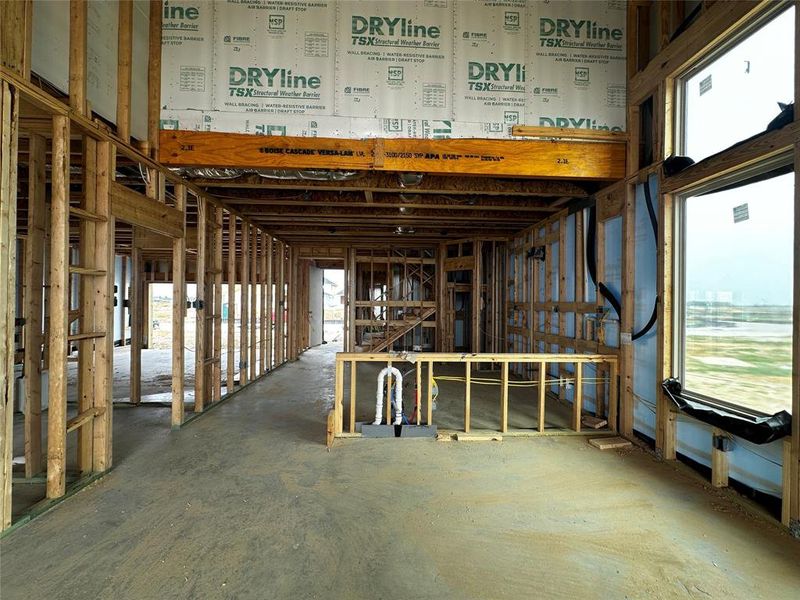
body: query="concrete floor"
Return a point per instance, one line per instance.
(246, 502)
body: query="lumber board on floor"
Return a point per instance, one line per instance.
(609, 443)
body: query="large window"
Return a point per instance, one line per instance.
(734, 292)
(735, 94)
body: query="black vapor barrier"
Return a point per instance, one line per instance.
(755, 429)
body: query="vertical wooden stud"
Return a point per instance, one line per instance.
(200, 382)
(542, 394)
(353, 381)
(124, 61)
(231, 365)
(217, 365)
(34, 282)
(77, 55)
(154, 78)
(253, 350)
(8, 220)
(178, 312)
(136, 311)
(103, 401)
(467, 395)
(719, 462)
(577, 403)
(504, 397)
(59, 310)
(244, 338)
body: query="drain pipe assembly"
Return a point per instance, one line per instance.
(398, 396)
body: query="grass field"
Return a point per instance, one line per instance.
(741, 355)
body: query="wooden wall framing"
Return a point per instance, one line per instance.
(72, 243)
(653, 78)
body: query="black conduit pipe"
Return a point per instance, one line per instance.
(591, 260)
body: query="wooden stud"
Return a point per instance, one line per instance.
(719, 463)
(504, 398)
(786, 487)
(253, 337)
(178, 314)
(280, 306)
(418, 392)
(154, 78)
(467, 393)
(388, 404)
(338, 395)
(217, 292)
(77, 55)
(34, 281)
(429, 420)
(16, 35)
(124, 62)
(200, 382)
(59, 310)
(9, 119)
(136, 311)
(102, 402)
(270, 260)
(262, 362)
(87, 256)
(613, 396)
(542, 394)
(244, 317)
(626, 408)
(353, 379)
(231, 366)
(577, 403)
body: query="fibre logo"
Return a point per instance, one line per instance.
(576, 123)
(369, 31)
(480, 75)
(556, 33)
(246, 81)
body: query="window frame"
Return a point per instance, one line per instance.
(679, 268)
(771, 11)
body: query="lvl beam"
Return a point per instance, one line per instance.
(531, 158)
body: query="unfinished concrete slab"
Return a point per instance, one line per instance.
(245, 502)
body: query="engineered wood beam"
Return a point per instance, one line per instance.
(533, 158)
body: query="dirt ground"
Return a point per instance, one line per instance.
(245, 502)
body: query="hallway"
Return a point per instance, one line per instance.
(245, 502)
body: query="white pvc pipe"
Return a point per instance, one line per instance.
(398, 396)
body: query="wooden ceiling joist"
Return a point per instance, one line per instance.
(382, 182)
